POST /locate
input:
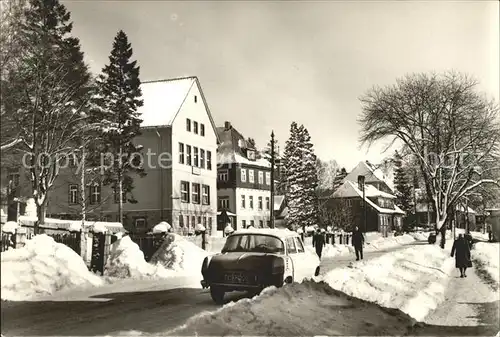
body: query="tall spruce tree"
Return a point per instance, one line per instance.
(402, 186)
(310, 210)
(291, 163)
(45, 94)
(118, 100)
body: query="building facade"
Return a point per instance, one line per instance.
(243, 181)
(179, 142)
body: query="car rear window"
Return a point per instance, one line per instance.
(253, 243)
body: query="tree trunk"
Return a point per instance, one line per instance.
(442, 231)
(120, 187)
(40, 213)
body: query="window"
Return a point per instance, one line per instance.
(209, 160)
(184, 191)
(195, 99)
(202, 158)
(261, 223)
(253, 243)
(73, 194)
(268, 222)
(250, 200)
(195, 156)
(244, 223)
(187, 221)
(252, 223)
(196, 193)
(251, 155)
(243, 201)
(13, 179)
(202, 130)
(95, 194)
(250, 176)
(261, 177)
(116, 196)
(188, 125)
(181, 220)
(243, 175)
(268, 178)
(195, 127)
(300, 246)
(206, 195)
(223, 203)
(188, 154)
(260, 203)
(181, 153)
(223, 175)
(72, 160)
(209, 224)
(193, 221)
(290, 245)
(140, 223)
(267, 203)
(199, 220)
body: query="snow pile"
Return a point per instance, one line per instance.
(162, 227)
(479, 236)
(389, 242)
(42, 267)
(419, 236)
(330, 250)
(305, 309)
(126, 260)
(10, 227)
(487, 255)
(179, 255)
(413, 280)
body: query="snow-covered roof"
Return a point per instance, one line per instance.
(70, 224)
(163, 100)
(235, 158)
(278, 232)
(278, 200)
(350, 189)
(422, 207)
(371, 173)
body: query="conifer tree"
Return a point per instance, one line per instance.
(402, 186)
(341, 174)
(309, 170)
(45, 95)
(118, 100)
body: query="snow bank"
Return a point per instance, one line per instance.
(304, 309)
(42, 267)
(389, 242)
(126, 260)
(179, 255)
(412, 280)
(487, 255)
(419, 236)
(479, 236)
(162, 227)
(10, 227)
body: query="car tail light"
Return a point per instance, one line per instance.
(278, 265)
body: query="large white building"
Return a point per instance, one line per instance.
(243, 182)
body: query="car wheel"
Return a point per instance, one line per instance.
(217, 295)
(316, 272)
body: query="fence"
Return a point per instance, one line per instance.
(148, 243)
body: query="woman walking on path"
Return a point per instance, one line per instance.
(461, 252)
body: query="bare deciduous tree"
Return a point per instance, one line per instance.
(452, 131)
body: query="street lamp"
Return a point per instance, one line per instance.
(271, 208)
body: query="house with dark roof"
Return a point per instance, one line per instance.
(382, 214)
(243, 181)
(179, 140)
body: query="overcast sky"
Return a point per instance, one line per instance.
(263, 65)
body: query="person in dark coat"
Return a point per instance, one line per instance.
(461, 252)
(357, 241)
(318, 242)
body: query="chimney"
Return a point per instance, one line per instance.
(227, 125)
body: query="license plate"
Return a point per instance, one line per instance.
(237, 278)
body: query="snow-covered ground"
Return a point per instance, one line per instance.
(412, 280)
(487, 254)
(42, 267)
(374, 242)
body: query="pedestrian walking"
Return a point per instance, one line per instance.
(461, 252)
(358, 241)
(490, 234)
(318, 242)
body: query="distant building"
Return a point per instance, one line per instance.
(382, 214)
(181, 184)
(243, 181)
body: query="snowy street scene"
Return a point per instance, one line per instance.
(246, 168)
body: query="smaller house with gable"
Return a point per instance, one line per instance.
(347, 201)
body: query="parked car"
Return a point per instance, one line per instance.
(253, 259)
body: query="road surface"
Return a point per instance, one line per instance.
(147, 308)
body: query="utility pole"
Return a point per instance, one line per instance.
(271, 206)
(361, 185)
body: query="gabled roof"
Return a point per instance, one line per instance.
(371, 173)
(163, 99)
(350, 190)
(278, 202)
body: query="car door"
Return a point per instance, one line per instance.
(297, 263)
(308, 261)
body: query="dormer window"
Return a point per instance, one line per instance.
(251, 154)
